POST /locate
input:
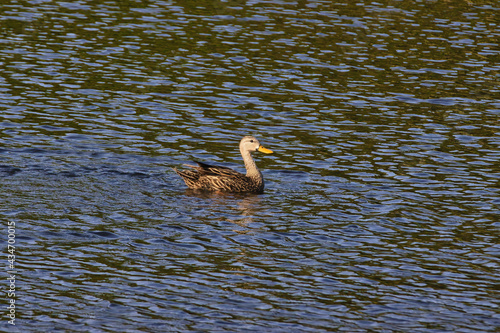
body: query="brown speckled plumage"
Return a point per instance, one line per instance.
(218, 178)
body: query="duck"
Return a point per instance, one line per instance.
(206, 177)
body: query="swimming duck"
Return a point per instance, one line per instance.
(218, 178)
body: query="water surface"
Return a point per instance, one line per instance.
(382, 199)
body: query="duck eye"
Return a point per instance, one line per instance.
(251, 141)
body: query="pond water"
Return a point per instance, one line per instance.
(382, 201)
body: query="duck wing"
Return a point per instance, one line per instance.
(214, 170)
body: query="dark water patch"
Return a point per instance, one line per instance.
(6, 170)
(104, 234)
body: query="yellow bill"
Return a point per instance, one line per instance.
(264, 150)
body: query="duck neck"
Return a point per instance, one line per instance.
(250, 165)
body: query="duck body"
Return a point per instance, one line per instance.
(207, 177)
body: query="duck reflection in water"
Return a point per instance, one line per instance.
(237, 208)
